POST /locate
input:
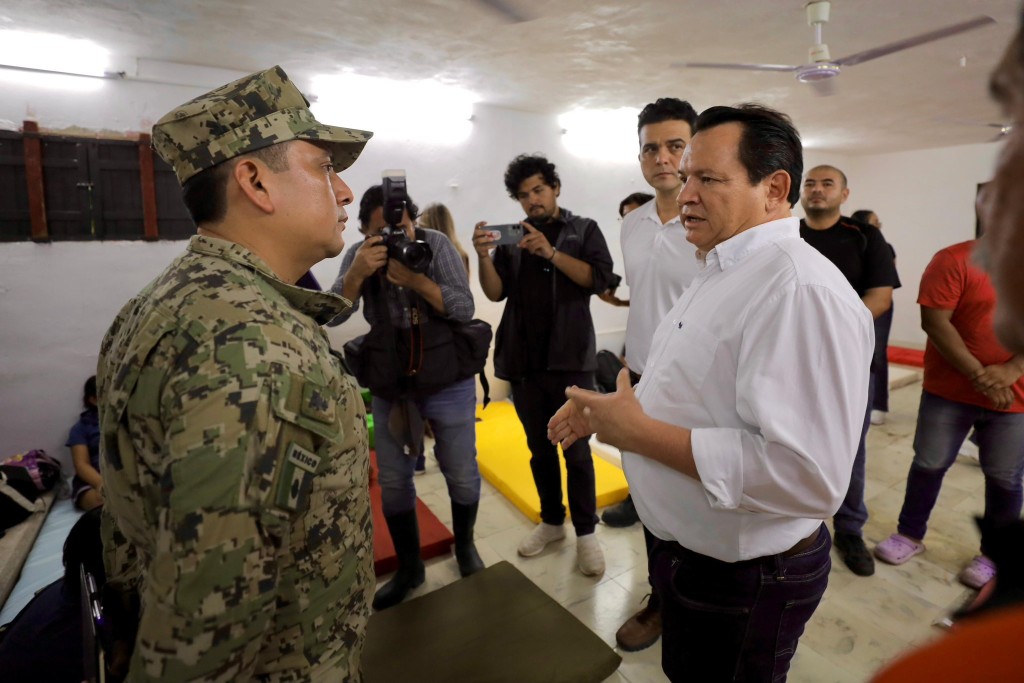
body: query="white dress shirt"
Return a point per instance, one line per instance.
(765, 357)
(659, 264)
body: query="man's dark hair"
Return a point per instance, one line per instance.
(89, 390)
(526, 166)
(666, 109)
(861, 215)
(638, 198)
(769, 142)
(206, 193)
(373, 198)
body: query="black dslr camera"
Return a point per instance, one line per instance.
(413, 254)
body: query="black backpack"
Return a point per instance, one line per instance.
(608, 367)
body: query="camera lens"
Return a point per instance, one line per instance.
(416, 256)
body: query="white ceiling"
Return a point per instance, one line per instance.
(606, 54)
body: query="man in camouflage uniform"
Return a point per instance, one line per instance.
(234, 449)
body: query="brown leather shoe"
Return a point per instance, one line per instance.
(641, 630)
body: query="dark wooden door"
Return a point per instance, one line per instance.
(69, 189)
(15, 222)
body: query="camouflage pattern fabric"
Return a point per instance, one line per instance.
(254, 112)
(235, 467)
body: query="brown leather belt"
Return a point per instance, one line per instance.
(803, 545)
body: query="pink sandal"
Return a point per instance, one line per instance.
(980, 571)
(897, 549)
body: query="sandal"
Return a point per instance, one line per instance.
(897, 549)
(980, 571)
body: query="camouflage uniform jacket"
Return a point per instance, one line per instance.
(235, 468)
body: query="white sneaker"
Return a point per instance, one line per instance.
(589, 556)
(539, 538)
(878, 417)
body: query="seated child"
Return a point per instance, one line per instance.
(84, 441)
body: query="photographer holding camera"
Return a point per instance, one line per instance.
(415, 292)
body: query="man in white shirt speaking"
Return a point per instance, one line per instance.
(741, 435)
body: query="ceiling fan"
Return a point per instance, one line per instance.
(821, 68)
(1002, 129)
(509, 10)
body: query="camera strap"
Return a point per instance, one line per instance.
(416, 318)
(413, 361)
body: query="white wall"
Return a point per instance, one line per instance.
(925, 200)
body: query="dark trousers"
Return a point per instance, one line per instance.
(736, 621)
(651, 541)
(536, 399)
(853, 512)
(880, 362)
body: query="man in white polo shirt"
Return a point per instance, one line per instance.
(726, 468)
(659, 264)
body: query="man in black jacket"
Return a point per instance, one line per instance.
(546, 340)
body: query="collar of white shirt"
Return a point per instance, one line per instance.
(736, 248)
(649, 211)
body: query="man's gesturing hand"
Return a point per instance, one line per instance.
(615, 418)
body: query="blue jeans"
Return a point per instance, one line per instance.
(737, 621)
(452, 414)
(942, 426)
(853, 513)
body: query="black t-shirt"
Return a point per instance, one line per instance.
(536, 275)
(858, 250)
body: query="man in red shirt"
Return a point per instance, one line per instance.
(970, 380)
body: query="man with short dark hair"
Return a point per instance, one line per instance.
(860, 252)
(659, 263)
(546, 341)
(726, 470)
(633, 201)
(237, 529)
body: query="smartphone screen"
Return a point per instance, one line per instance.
(506, 234)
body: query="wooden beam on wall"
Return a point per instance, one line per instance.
(151, 229)
(33, 146)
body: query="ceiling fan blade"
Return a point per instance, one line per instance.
(824, 88)
(739, 67)
(907, 43)
(512, 12)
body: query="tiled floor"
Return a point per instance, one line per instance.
(861, 623)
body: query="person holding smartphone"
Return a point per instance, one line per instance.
(546, 340)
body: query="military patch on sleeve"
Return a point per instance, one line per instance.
(296, 477)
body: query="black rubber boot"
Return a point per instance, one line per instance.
(405, 534)
(463, 520)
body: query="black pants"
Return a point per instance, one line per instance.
(736, 621)
(536, 399)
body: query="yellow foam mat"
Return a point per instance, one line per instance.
(504, 460)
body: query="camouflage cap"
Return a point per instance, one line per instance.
(254, 112)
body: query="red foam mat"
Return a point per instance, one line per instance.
(905, 356)
(435, 539)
